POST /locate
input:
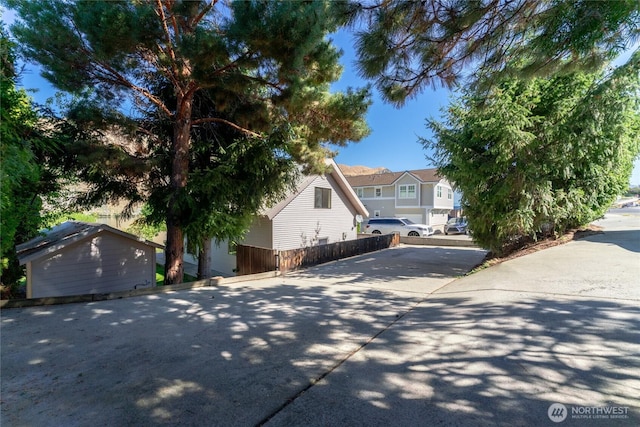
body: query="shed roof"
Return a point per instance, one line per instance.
(65, 234)
(379, 179)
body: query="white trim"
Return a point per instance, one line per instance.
(415, 178)
(378, 198)
(346, 188)
(407, 196)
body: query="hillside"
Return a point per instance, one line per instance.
(361, 170)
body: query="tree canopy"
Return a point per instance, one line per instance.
(25, 176)
(405, 46)
(543, 155)
(273, 56)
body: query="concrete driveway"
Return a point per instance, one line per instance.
(383, 339)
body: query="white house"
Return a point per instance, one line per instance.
(419, 195)
(322, 209)
(76, 258)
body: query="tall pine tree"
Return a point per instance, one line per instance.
(276, 53)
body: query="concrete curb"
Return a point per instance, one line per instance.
(213, 281)
(436, 241)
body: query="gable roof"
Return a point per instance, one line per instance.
(340, 179)
(380, 179)
(65, 234)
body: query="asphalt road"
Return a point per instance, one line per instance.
(392, 338)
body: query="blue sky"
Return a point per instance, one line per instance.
(393, 142)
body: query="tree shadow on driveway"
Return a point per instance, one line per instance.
(243, 355)
(456, 361)
(404, 263)
(225, 356)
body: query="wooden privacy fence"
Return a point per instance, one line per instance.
(252, 259)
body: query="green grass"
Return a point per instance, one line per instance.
(160, 276)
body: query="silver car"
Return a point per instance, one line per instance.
(404, 226)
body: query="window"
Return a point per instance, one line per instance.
(439, 191)
(449, 194)
(322, 198)
(407, 191)
(376, 213)
(360, 192)
(378, 192)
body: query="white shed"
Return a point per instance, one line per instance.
(76, 258)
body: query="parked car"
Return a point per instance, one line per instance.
(404, 226)
(456, 226)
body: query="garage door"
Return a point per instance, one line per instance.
(417, 218)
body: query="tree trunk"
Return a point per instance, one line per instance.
(174, 251)
(204, 260)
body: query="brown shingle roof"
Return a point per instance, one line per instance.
(423, 175)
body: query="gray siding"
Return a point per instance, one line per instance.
(299, 224)
(260, 234)
(387, 192)
(101, 264)
(221, 260)
(368, 192)
(407, 180)
(427, 191)
(442, 202)
(390, 204)
(386, 207)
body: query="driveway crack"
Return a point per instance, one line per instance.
(316, 380)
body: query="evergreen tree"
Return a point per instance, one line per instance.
(275, 53)
(25, 176)
(405, 45)
(534, 157)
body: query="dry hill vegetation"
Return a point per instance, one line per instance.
(361, 170)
